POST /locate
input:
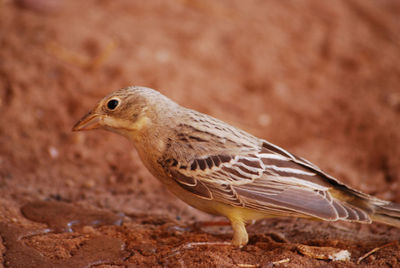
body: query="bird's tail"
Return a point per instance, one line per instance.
(388, 213)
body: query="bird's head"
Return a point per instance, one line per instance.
(124, 111)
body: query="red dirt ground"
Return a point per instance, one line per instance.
(319, 78)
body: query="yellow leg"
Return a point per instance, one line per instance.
(240, 236)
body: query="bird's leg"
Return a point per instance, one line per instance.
(240, 236)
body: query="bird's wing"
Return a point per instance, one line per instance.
(270, 180)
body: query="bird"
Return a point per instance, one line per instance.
(223, 170)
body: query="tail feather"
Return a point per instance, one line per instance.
(388, 214)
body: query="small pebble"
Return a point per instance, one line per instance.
(89, 184)
(69, 183)
(53, 152)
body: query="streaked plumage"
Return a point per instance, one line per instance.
(223, 170)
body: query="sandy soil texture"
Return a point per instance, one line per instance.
(319, 78)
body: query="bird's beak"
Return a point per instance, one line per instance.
(88, 122)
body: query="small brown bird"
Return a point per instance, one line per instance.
(223, 170)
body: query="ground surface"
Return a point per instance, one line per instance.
(319, 78)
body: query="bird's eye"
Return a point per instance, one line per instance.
(112, 104)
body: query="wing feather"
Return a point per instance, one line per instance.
(270, 180)
(192, 185)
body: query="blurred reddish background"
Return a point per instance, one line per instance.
(319, 78)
